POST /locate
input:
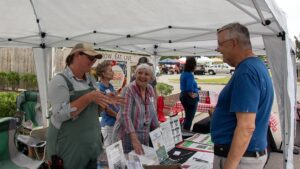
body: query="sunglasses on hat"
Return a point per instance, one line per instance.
(91, 58)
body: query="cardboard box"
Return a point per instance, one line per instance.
(173, 166)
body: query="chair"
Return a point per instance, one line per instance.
(10, 157)
(27, 102)
(36, 142)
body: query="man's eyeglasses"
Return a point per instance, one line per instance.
(221, 43)
(91, 58)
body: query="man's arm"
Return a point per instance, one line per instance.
(241, 138)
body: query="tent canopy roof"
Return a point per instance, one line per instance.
(169, 61)
(169, 27)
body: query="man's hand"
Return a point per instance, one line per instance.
(241, 138)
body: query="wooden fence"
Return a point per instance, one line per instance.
(21, 60)
(17, 60)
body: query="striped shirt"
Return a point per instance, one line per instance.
(137, 115)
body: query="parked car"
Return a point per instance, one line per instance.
(220, 68)
(157, 71)
(200, 70)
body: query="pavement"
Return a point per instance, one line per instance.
(276, 159)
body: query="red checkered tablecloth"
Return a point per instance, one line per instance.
(202, 107)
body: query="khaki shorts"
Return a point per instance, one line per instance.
(245, 163)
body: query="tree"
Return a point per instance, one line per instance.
(164, 89)
(171, 57)
(297, 47)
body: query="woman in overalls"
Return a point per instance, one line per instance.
(73, 134)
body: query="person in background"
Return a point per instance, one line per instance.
(189, 95)
(138, 116)
(106, 74)
(240, 121)
(73, 137)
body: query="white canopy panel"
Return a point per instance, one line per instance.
(113, 25)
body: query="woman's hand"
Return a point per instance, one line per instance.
(137, 146)
(99, 98)
(193, 95)
(104, 100)
(116, 99)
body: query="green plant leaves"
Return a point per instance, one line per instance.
(164, 89)
(8, 104)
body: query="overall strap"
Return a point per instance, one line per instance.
(91, 83)
(69, 84)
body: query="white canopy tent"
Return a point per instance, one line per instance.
(204, 60)
(159, 28)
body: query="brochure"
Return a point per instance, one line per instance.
(195, 146)
(159, 144)
(149, 158)
(115, 156)
(176, 129)
(134, 162)
(201, 139)
(167, 135)
(200, 160)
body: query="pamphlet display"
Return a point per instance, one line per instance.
(159, 144)
(148, 158)
(201, 139)
(163, 140)
(176, 129)
(115, 156)
(167, 135)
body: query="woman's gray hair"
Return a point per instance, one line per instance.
(146, 67)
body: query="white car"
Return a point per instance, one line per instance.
(219, 68)
(157, 71)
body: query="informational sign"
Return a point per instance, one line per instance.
(123, 65)
(120, 75)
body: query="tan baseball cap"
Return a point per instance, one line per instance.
(86, 48)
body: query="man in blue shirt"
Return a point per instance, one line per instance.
(240, 120)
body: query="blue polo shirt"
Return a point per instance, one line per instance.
(188, 83)
(107, 119)
(250, 89)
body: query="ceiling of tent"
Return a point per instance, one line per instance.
(168, 27)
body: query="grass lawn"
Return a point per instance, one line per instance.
(223, 80)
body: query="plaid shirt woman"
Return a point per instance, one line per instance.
(138, 115)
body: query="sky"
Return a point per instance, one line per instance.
(292, 10)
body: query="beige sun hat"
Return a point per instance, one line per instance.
(86, 48)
